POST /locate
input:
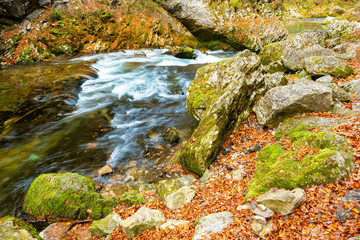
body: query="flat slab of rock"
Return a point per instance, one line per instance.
(283, 201)
(142, 220)
(261, 210)
(212, 223)
(171, 224)
(105, 226)
(282, 102)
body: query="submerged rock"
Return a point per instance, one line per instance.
(171, 136)
(283, 201)
(287, 101)
(182, 52)
(212, 223)
(65, 195)
(143, 219)
(221, 97)
(329, 157)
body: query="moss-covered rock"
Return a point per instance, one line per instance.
(329, 158)
(12, 228)
(182, 52)
(105, 226)
(221, 97)
(65, 195)
(324, 65)
(131, 197)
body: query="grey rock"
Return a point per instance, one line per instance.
(171, 224)
(283, 201)
(212, 223)
(355, 238)
(105, 226)
(179, 198)
(287, 101)
(333, 42)
(325, 79)
(186, 180)
(353, 87)
(275, 80)
(205, 176)
(9, 232)
(259, 228)
(143, 219)
(243, 207)
(261, 210)
(43, 3)
(17, 8)
(338, 28)
(325, 65)
(340, 48)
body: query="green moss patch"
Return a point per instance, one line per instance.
(282, 168)
(65, 195)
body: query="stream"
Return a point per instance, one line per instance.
(98, 109)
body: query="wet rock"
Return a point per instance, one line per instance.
(143, 219)
(277, 167)
(171, 136)
(283, 201)
(16, 229)
(343, 214)
(287, 101)
(261, 210)
(261, 227)
(171, 224)
(105, 170)
(182, 52)
(65, 195)
(212, 223)
(105, 226)
(325, 65)
(17, 8)
(219, 98)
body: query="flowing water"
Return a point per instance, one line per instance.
(120, 112)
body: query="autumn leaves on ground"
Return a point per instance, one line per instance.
(315, 219)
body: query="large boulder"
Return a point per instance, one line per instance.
(223, 23)
(282, 201)
(16, 229)
(212, 223)
(143, 219)
(221, 97)
(323, 65)
(287, 101)
(309, 157)
(65, 195)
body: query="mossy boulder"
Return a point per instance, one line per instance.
(324, 65)
(328, 159)
(65, 196)
(182, 52)
(221, 97)
(12, 228)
